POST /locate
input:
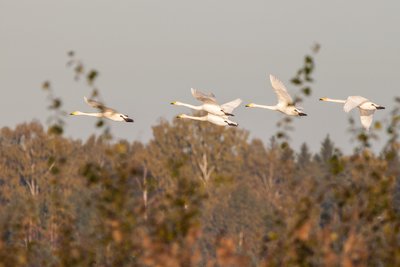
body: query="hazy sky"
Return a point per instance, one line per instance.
(150, 53)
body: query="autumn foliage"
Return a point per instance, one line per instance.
(195, 195)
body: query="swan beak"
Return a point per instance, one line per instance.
(173, 103)
(72, 113)
(322, 99)
(249, 105)
(380, 107)
(302, 114)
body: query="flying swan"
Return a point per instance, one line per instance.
(366, 108)
(285, 101)
(218, 120)
(210, 104)
(105, 112)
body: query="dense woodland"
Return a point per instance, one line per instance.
(196, 195)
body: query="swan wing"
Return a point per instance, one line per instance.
(99, 105)
(366, 117)
(230, 106)
(280, 90)
(353, 101)
(202, 97)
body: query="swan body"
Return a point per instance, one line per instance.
(210, 104)
(365, 107)
(105, 112)
(218, 120)
(285, 101)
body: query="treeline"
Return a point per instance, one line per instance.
(195, 195)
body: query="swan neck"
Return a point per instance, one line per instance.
(93, 114)
(204, 118)
(264, 106)
(188, 105)
(335, 100)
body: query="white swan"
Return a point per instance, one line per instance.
(218, 120)
(210, 104)
(285, 101)
(105, 112)
(366, 108)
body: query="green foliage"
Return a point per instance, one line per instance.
(91, 76)
(56, 119)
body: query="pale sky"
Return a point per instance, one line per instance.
(151, 52)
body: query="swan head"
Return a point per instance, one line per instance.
(75, 113)
(323, 99)
(250, 105)
(180, 116)
(175, 103)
